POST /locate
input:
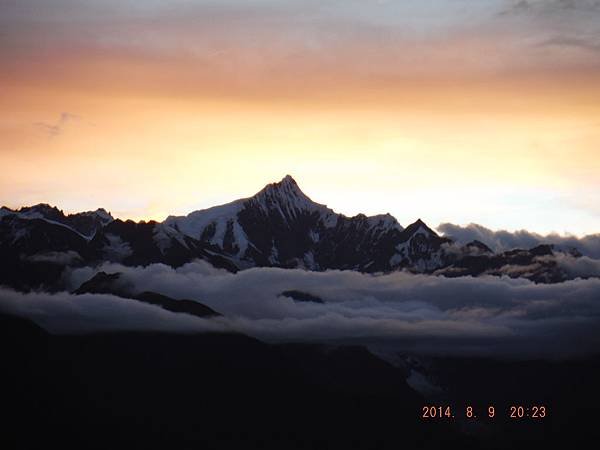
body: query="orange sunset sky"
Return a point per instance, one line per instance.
(449, 110)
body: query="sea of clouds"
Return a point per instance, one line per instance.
(402, 312)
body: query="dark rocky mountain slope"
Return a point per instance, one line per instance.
(278, 227)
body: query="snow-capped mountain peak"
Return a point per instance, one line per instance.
(279, 226)
(102, 214)
(383, 222)
(40, 211)
(212, 225)
(286, 197)
(418, 227)
(85, 223)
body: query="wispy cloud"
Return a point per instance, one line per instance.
(550, 6)
(589, 43)
(557, 23)
(516, 7)
(56, 128)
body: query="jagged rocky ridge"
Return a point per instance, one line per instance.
(278, 227)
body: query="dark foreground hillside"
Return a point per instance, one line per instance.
(144, 390)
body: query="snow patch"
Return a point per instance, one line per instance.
(314, 236)
(240, 237)
(309, 261)
(104, 215)
(421, 384)
(274, 256)
(164, 236)
(116, 249)
(195, 223)
(384, 222)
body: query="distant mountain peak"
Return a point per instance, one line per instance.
(288, 179)
(39, 206)
(287, 185)
(49, 212)
(419, 226)
(286, 195)
(41, 210)
(84, 223)
(102, 214)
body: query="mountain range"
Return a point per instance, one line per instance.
(278, 227)
(165, 389)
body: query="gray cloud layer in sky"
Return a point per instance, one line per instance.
(502, 240)
(200, 30)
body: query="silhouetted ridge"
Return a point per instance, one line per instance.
(113, 284)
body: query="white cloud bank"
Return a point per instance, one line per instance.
(74, 314)
(399, 311)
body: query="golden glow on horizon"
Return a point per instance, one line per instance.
(468, 126)
(148, 158)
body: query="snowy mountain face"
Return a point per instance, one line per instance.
(253, 230)
(278, 227)
(85, 223)
(537, 264)
(34, 251)
(143, 243)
